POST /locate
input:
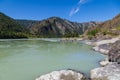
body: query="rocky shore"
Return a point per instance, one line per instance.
(71, 39)
(109, 70)
(103, 46)
(114, 53)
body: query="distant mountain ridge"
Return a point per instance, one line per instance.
(58, 27)
(51, 27)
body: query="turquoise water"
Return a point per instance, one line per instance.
(27, 59)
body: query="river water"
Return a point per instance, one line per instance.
(26, 59)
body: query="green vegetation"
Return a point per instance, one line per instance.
(108, 28)
(51, 27)
(55, 27)
(9, 28)
(93, 32)
(118, 27)
(71, 35)
(13, 35)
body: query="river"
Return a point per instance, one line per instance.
(26, 59)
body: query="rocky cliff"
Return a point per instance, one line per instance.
(57, 27)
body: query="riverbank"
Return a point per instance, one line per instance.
(71, 39)
(107, 71)
(110, 67)
(102, 46)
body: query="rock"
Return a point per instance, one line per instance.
(89, 43)
(102, 46)
(102, 50)
(108, 41)
(109, 72)
(71, 39)
(104, 62)
(114, 53)
(63, 75)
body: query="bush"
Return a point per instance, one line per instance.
(92, 32)
(75, 34)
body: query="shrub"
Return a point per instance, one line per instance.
(92, 32)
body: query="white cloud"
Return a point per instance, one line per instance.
(76, 9)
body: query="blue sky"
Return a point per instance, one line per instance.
(74, 10)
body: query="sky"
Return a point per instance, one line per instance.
(74, 10)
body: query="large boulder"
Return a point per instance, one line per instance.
(109, 72)
(114, 53)
(63, 75)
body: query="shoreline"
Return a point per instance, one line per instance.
(102, 46)
(45, 76)
(108, 70)
(49, 39)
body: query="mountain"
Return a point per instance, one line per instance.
(27, 23)
(9, 28)
(57, 27)
(106, 29)
(51, 27)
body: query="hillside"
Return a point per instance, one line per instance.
(51, 27)
(57, 27)
(27, 23)
(106, 29)
(9, 28)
